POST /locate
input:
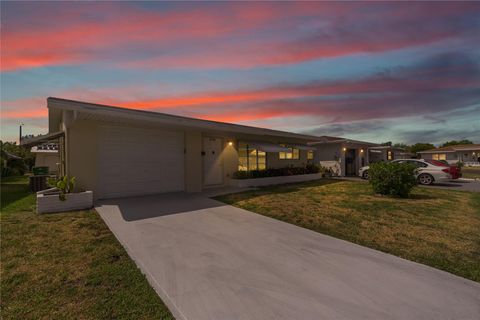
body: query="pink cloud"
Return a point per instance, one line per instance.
(225, 35)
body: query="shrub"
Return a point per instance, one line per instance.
(64, 184)
(276, 172)
(392, 178)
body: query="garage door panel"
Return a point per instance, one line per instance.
(136, 161)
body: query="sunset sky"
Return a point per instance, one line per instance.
(401, 72)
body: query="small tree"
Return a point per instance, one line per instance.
(392, 178)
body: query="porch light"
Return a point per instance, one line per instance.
(344, 149)
(361, 150)
(230, 143)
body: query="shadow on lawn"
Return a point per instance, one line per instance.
(12, 192)
(416, 196)
(276, 189)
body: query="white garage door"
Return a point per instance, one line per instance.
(139, 161)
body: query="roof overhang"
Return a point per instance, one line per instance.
(42, 139)
(266, 146)
(91, 111)
(437, 151)
(333, 140)
(387, 148)
(302, 147)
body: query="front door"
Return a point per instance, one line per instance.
(350, 162)
(212, 161)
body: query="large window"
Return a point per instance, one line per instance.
(293, 154)
(439, 156)
(251, 159)
(310, 154)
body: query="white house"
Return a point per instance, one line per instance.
(119, 152)
(344, 156)
(47, 155)
(466, 153)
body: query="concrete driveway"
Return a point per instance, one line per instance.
(208, 260)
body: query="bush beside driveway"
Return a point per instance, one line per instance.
(435, 227)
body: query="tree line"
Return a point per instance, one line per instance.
(422, 146)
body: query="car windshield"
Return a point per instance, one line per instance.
(437, 163)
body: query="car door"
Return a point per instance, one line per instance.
(420, 166)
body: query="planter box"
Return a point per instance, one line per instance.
(73, 201)
(258, 182)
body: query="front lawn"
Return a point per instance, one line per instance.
(66, 266)
(471, 172)
(439, 228)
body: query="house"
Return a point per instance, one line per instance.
(119, 152)
(344, 156)
(469, 154)
(387, 153)
(47, 155)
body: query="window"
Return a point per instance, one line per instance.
(439, 156)
(251, 159)
(389, 155)
(293, 154)
(310, 154)
(418, 164)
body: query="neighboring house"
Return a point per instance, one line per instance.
(344, 156)
(123, 152)
(47, 155)
(466, 153)
(387, 153)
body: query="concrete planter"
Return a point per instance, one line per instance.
(74, 201)
(243, 183)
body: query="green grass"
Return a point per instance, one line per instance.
(439, 228)
(471, 172)
(66, 265)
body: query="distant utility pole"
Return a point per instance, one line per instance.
(20, 137)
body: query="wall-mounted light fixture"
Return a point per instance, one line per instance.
(344, 149)
(230, 143)
(361, 150)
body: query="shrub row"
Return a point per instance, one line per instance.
(276, 172)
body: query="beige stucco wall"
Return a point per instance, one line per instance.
(334, 152)
(47, 159)
(230, 157)
(193, 161)
(81, 153)
(82, 156)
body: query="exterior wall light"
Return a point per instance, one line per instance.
(344, 149)
(361, 150)
(230, 143)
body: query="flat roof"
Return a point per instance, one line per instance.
(454, 148)
(164, 118)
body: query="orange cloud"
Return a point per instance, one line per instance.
(227, 35)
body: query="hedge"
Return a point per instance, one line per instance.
(276, 172)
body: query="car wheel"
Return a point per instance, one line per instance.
(365, 175)
(425, 179)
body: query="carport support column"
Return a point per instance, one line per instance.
(193, 161)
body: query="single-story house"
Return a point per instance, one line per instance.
(387, 153)
(118, 152)
(466, 153)
(47, 155)
(344, 156)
